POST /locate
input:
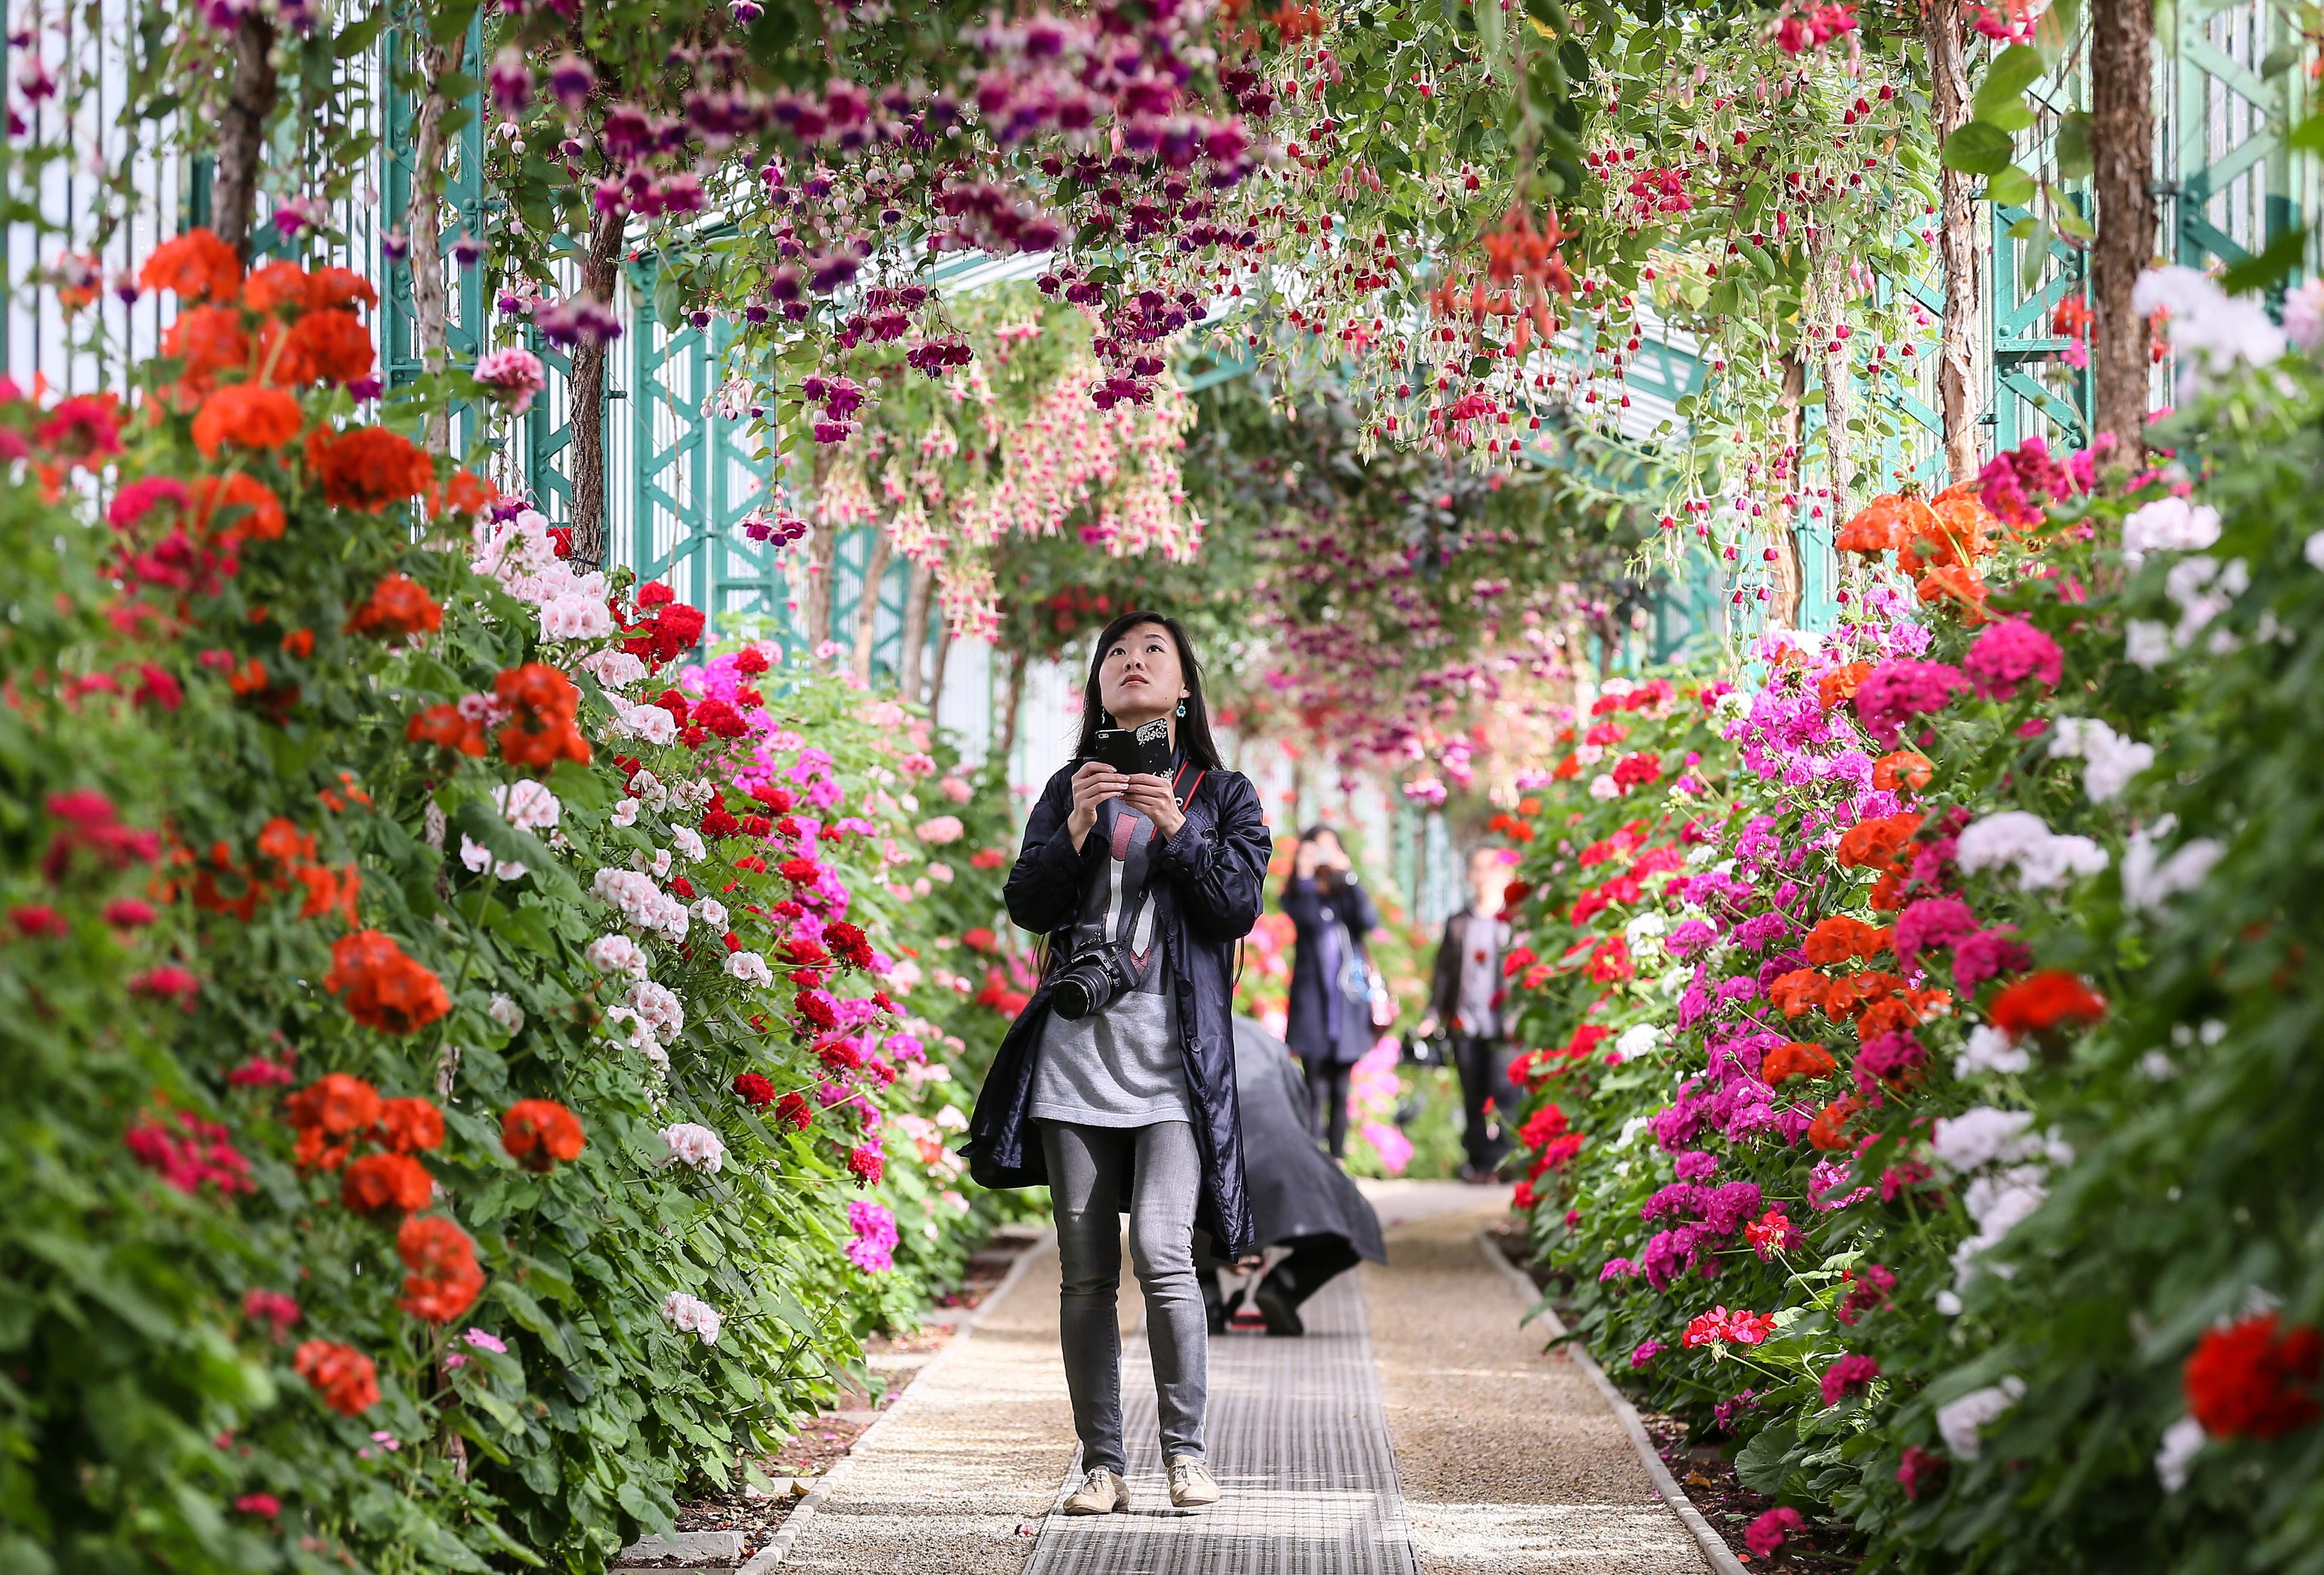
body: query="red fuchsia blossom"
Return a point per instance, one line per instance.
(1766, 1534)
(2007, 654)
(1850, 1374)
(2255, 1378)
(386, 1183)
(1895, 691)
(444, 1280)
(1988, 954)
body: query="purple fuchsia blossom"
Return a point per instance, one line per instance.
(1825, 1181)
(1896, 691)
(1670, 1253)
(1931, 925)
(1850, 1374)
(2007, 654)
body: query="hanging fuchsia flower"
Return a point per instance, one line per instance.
(2007, 654)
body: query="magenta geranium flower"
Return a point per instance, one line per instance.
(2007, 654)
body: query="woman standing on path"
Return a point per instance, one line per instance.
(1329, 1023)
(1116, 1085)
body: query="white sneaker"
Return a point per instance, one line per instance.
(1102, 1492)
(1191, 1486)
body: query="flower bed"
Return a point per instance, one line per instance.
(1920, 1036)
(469, 1076)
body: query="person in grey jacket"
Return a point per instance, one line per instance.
(1464, 998)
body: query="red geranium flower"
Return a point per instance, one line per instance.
(2254, 1379)
(2045, 1001)
(398, 608)
(755, 1090)
(444, 1280)
(793, 1111)
(382, 1183)
(406, 1125)
(384, 988)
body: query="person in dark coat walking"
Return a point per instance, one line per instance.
(1115, 1086)
(1329, 1023)
(1298, 1198)
(1464, 998)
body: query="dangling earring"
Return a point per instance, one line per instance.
(1182, 708)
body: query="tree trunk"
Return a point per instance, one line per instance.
(1009, 706)
(936, 677)
(1828, 266)
(867, 605)
(917, 592)
(2121, 145)
(821, 553)
(1788, 577)
(422, 223)
(1956, 248)
(242, 132)
(585, 409)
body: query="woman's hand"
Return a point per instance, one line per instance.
(1151, 798)
(1250, 1262)
(1303, 862)
(1094, 784)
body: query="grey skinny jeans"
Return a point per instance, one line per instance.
(1087, 1165)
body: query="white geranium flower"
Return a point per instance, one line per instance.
(711, 912)
(749, 967)
(2170, 524)
(2145, 643)
(625, 812)
(506, 1013)
(689, 842)
(616, 954)
(1978, 1136)
(2149, 881)
(1990, 1049)
(1636, 1040)
(692, 1315)
(692, 1144)
(1959, 1420)
(527, 805)
(2184, 1439)
(479, 858)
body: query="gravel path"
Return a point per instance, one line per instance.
(944, 1490)
(1510, 1462)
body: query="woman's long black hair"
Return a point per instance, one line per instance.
(1194, 728)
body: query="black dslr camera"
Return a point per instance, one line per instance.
(1087, 983)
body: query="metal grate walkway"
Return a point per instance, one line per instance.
(1298, 1439)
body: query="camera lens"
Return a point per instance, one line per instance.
(1071, 997)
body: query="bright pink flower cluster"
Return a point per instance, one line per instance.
(2007, 654)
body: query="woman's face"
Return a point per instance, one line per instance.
(1138, 677)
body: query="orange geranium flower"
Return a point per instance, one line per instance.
(542, 702)
(1839, 938)
(194, 266)
(1825, 1131)
(1902, 768)
(1876, 844)
(1799, 990)
(326, 347)
(398, 608)
(1839, 687)
(346, 1379)
(275, 286)
(335, 1103)
(409, 1124)
(208, 339)
(369, 467)
(1887, 522)
(445, 727)
(382, 1184)
(328, 890)
(539, 1133)
(444, 1280)
(1851, 995)
(384, 988)
(465, 493)
(260, 518)
(1796, 1059)
(338, 287)
(248, 414)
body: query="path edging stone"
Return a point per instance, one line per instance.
(779, 1550)
(1715, 1551)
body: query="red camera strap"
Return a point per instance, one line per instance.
(1189, 795)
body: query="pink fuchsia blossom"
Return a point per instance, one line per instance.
(1896, 691)
(2007, 654)
(1850, 1374)
(1766, 1534)
(514, 375)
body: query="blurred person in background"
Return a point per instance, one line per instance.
(1329, 1026)
(1299, 1199)
(1464, 1001)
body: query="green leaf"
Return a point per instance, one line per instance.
(2308, 136)
(529, 1313)
(2037, 256)
(578, 786)
(451, 22)
(1979, 149)
(670, 300)
(2011, 187)
(2014, 71)
(354, 39)
(2273, 264)
(1762, 1464)
(2280, 59)
(2072, 147)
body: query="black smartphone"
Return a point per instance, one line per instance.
(1146, 749)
